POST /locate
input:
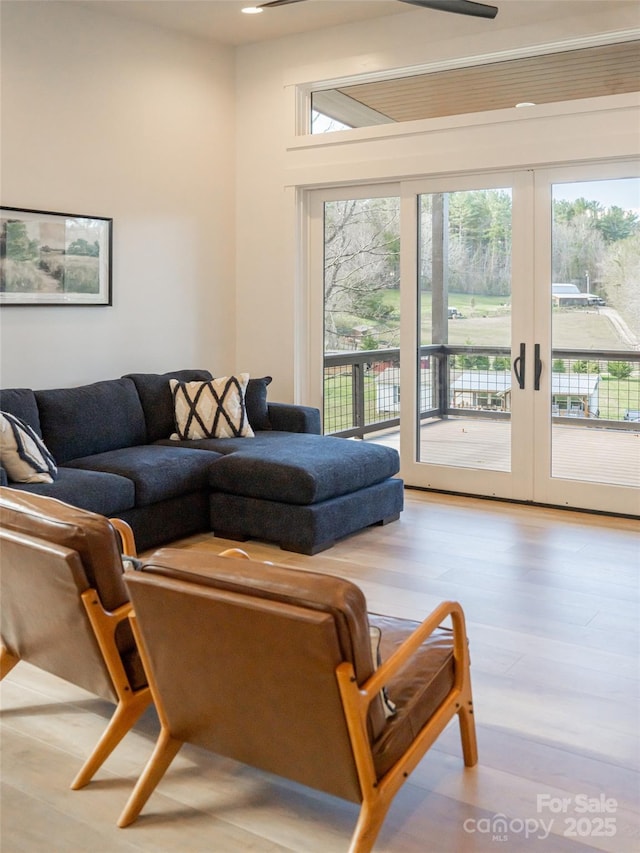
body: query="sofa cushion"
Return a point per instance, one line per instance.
(157, 472)
(78, 422)
(255, 400)
(106, 494)
(213, 409)
(260, 443)
(23, 453)
(21, 402)
(157, 400)
(302, 468)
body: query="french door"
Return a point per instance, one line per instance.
(587, 409)
(466, 318)
(513, 369)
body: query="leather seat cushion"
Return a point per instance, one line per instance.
(417, 690)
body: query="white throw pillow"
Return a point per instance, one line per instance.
(23, 453)
(212, 409)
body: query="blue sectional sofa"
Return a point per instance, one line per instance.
(112, 445)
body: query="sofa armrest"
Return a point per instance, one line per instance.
(288, 417)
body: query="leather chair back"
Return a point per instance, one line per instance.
(43, 618)
(244, 656)
(51, 553)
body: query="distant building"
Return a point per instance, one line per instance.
(573, 395)
(483, 389)
(388, 389)
(570, 296)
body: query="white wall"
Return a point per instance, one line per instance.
(274, 167)
(110, 117)
(107, 117)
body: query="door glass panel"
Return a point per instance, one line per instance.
(595, 310)
(362, 318)
(464, 306)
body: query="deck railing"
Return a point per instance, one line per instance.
(362, 389)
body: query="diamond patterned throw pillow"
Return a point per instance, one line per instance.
(213, 409)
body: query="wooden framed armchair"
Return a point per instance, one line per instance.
(64, 606)
(280, 672)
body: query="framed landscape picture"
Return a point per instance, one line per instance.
(51, 258)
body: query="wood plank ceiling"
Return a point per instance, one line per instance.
(568, 75)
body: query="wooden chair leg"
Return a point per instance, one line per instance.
(7, 662)
(468, 734)
(370, 820)
(467, 723)
(124, 718)
(163, 754)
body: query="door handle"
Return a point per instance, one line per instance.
(537, 368)
(519, 365)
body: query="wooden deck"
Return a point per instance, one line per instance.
(579, 453)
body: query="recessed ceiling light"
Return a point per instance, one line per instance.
(526, 104)
(251, 10)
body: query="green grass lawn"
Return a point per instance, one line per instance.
(487, 322)
(617, 395)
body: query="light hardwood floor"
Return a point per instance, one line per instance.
(551, 599)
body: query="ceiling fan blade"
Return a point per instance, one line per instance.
(460, 7)
(278, 3)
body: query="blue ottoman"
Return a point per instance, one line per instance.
(307, 492)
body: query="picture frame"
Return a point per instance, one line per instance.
(50, 258)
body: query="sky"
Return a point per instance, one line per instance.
(622, 192)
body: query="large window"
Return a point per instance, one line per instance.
(480, 86)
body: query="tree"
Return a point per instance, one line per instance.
(617, 224)
(473, 362)
(368, 342)
(619, 369)
(577, 247)
(83, 247)
(361, 259)
(621, 278)
(558, 366)
(15, 243)
(480, 242)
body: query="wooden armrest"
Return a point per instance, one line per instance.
(399, 658)
(126, 536)
(104, 623)
(378, 792)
